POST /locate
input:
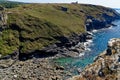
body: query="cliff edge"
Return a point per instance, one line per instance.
(33, 27)
(106, 66)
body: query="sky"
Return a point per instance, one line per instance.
(107, 3)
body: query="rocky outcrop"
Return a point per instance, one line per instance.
(103, 21)
(3, 17)
(66, 47)
(106, 66)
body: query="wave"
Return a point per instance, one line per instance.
(90, 41)
(86, 44)
(90, 33)
(94, 31)
(86, 47)
(110, 27)
(84, 52)
(81, 54)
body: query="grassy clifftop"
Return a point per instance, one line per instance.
(34, 26)
(9, 4)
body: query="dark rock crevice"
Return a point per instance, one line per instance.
(17, 28)
(35, 39)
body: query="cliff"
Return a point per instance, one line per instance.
(106, 66)
(32, 27)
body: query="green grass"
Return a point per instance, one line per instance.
(10, 4)
(38, 24)
(8, 42)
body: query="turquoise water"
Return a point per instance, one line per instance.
(99, 44)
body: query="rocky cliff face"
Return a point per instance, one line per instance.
(106, 66)
(34, 28)
(3, 18)
(66, 43)
(103, 20)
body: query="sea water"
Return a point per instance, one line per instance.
(94, 48)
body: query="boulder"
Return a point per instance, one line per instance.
(60, 68)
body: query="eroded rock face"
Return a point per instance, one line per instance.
(67, 46)
(106, 66)
(113, 46)
(97, 23)
(3, 18)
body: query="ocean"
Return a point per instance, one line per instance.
(95, 46)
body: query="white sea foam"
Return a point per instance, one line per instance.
(90, 33)
(94, 31)
(81, 54)
(88, 49)
(86, 44)
(110, 27)
(90, 41)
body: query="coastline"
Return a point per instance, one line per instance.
(105, 66)
(54, 68)
(39, 64)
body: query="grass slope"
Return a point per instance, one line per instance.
(10, 4)
(34, 26)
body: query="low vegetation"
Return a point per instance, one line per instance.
(9, 4)
(34, 26)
